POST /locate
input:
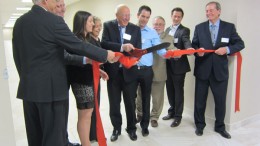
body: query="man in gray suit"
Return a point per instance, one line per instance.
(38, 37)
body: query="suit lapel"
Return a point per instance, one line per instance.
(220, 31)
(208, 35)
(116, 30)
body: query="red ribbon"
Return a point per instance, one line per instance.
(127, 62)
(239, 65)
(176, 53)
(99, 127)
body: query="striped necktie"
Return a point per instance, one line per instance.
(213, 34)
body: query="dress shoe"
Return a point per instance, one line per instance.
(199, 132)
(176, 123)
(132, 136)
(167, 117)
(74, 144)
(115, 135)
(154, 123)
(145, 132)
(224, 133)
(138, 118)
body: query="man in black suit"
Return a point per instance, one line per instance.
(120, 35)
(38, 37)
(177, 67)
(211, 69)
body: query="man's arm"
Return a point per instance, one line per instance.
(66, 39)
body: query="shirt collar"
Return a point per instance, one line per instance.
(175, 26)
(217, 23)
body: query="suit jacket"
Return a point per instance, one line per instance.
(159, 63)
(180, 65)
(211, 61)
(111, 40)
(38, 39)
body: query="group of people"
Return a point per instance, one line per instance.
(50, 59)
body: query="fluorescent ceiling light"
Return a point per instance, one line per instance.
(26, 1)
(17, 14)
(23, 8)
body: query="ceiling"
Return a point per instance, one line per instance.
(8, 9)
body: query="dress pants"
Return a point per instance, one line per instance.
(219, 90)
(46, 123)
(115, 87)
(157, 93)
(175, 93)
(144, 80)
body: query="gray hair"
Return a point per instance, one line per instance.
(118, 7)
(36, 1)
(159, 17)
(218, 7)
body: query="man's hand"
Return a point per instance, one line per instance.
(111, 58)
(201, 54)
(128, 47)
(88, 61)
(221, 51)
(190, 49)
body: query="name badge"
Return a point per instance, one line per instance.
(175, 40)
(225, 40)
(127, 36)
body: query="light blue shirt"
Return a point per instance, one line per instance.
(216, 31)
(149, 38)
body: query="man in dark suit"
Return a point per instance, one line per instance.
(211, 69)
(38, 37)
(120, 35)
(177, 67)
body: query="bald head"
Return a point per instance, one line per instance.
(122, 14)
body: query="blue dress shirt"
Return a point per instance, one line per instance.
(149, 38)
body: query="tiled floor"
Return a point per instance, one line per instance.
(163, 135)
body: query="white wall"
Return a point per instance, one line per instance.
(242, 13)
(7, 136)
(238, 12)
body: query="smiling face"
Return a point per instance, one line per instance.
(89, 24)
(176, 17)
(159, 25)
(123, 15)
(97, 28)
(143, 18)
(212, 13)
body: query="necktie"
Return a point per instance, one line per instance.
(213, 34)
(122, 31)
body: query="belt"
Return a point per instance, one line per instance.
(143, 67)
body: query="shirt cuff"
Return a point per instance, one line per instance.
(84, 60)
(228, 50)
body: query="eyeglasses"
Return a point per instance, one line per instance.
(158, 24)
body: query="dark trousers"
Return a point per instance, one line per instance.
(175, 93)
(145, 79)
(219, 90)
(46, 123)
(115, 87)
